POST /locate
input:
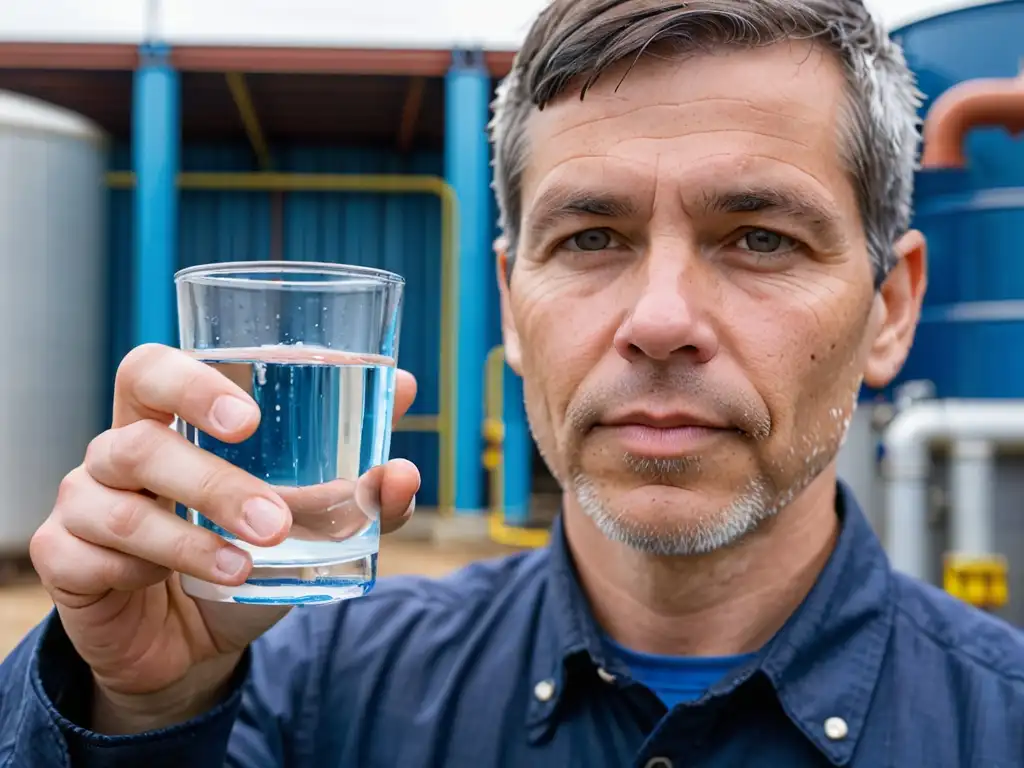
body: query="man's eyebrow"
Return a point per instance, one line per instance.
(559, 204)
(815, 214)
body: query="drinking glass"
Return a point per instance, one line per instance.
(315, 346)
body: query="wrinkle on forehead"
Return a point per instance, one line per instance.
(744, 95)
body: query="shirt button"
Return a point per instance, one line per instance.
(659, 762)
(544, 690)
(836, 728)
(605, 675)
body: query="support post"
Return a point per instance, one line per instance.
(467, 169)
(155, 151)
(518, 453)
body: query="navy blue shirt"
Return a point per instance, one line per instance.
(501, 665)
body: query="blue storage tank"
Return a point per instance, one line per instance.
(971, 209)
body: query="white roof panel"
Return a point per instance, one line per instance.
(489, 24)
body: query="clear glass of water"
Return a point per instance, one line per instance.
(315, 346)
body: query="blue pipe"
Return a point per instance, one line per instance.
(155, 152)
(467, 169)
(518, 452)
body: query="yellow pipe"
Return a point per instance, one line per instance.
(494, 427)
(419, 422)
(250, 120)
(340, 182)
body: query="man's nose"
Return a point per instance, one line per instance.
(670, 315)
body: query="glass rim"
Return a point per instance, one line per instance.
(229, 273)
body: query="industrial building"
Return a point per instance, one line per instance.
(153, 155)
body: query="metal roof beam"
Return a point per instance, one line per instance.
(250, 118)
(411, 113)
(68, 56)
(246, 59)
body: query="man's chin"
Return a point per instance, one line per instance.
(663, 519)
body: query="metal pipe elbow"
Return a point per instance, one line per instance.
(968, 105)
(908, 437)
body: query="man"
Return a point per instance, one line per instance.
(705, 207)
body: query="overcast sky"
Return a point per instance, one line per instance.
(390, 23)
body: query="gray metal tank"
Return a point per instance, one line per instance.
(53, 305)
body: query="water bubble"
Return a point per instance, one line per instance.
(277, 407)
(278, 419)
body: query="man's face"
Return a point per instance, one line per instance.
(692, 306)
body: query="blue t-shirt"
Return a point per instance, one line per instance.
(677, 679)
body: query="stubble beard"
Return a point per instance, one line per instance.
(691, 533)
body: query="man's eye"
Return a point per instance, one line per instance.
(764, 241)
(590, 240)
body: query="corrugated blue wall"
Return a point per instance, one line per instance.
(401, 233)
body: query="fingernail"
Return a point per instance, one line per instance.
(230, 560)
(230, 413)
(411, 509)
(263, 516)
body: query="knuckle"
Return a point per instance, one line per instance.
(212, 482)
(137, 361)
(95, 453)
(117, 571)
(125, 517)
(40, 546)
(130, 447)
(69, 486)
(189, 550)
(48, 552)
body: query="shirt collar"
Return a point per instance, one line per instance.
(823, 663)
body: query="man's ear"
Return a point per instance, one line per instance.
(898, 310)
(509, 334)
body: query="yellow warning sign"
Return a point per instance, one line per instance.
(980, 580)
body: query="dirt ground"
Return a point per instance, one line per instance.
(24, 603)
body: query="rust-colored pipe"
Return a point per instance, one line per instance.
(971, 104)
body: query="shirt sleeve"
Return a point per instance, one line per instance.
(46, 690)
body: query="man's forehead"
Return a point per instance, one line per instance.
(791, 78)
(724, 113)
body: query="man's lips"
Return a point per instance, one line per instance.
(662, 434)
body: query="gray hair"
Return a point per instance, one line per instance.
(578, 40)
